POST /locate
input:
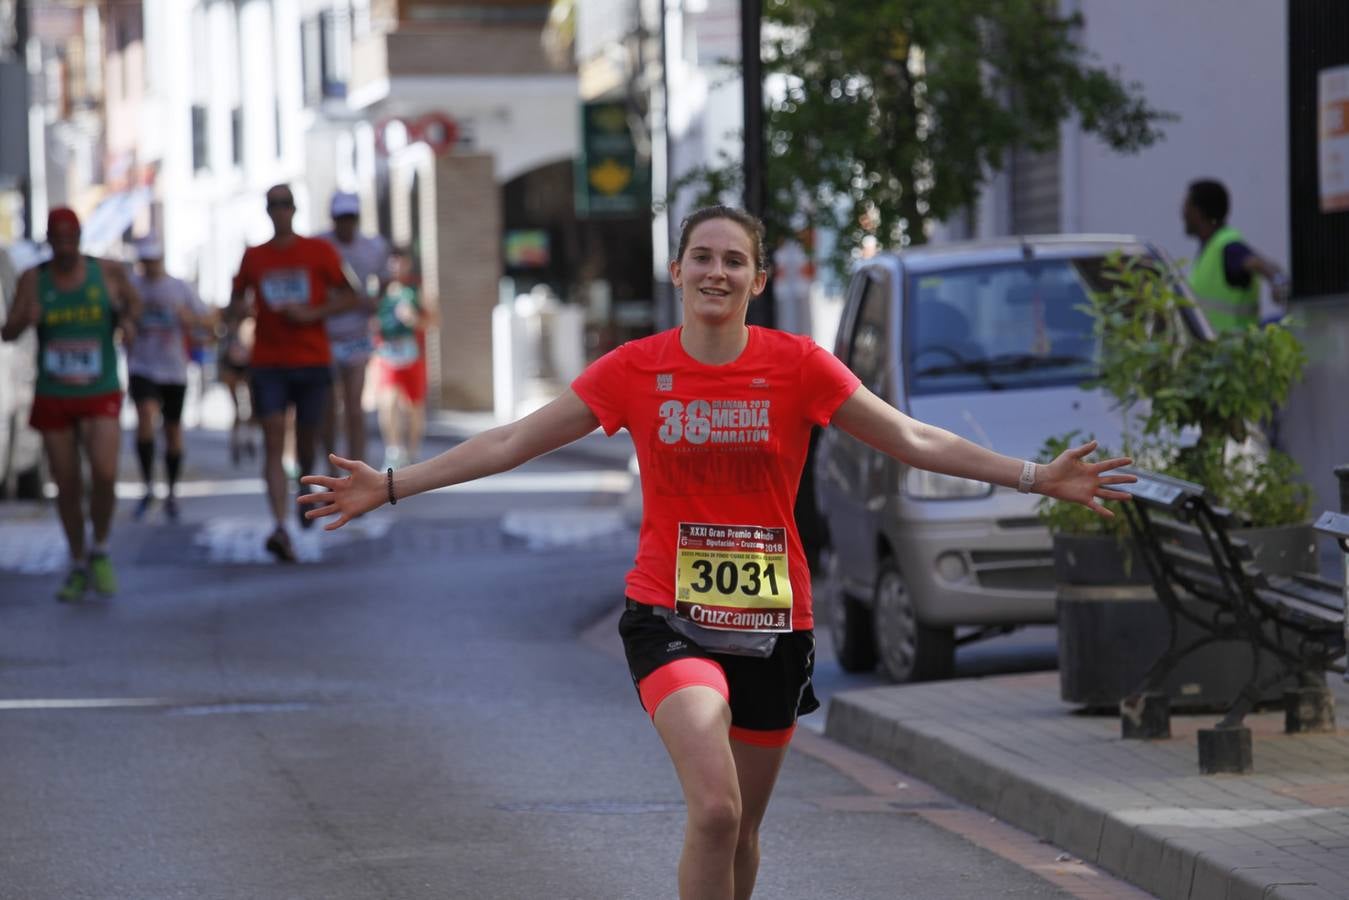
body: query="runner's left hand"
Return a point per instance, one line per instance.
(1070, 477)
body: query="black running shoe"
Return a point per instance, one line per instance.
(279, 546)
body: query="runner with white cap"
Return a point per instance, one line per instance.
(157, 364)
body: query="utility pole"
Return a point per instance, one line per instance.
(751, 13)
(761, 311)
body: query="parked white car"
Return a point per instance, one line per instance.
(988, 340)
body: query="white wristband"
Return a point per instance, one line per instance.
(1027, 480)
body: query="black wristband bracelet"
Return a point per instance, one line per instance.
(388, 480)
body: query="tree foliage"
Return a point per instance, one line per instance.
(895, 111)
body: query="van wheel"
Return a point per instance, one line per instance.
(848, 620)
(907, 649)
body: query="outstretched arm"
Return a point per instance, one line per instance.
(559, 423)
(23, 314)
(873, 421)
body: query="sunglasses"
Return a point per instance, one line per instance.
(280, 204)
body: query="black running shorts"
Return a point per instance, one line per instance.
(765, 694)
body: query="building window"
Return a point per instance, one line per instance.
(276, 114)
(237, 135)
(200, 139)
(325, 47)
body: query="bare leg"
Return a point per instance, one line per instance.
(327, 426)
(147, 414)
(757, 770)
(102, 440)
(351, 384)
(305, 436)
(273, 443)
(239, 424)
(416, 413)
(388, 417)
(64, 459)
(695, 723)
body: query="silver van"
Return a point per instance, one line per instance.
(986, 340)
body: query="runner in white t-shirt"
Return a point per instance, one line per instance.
(157, 364)
(350, 334)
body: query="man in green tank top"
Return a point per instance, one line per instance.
(77, 303)
(1223, 274)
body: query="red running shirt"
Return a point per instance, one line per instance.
(721, 445)
(299, 273)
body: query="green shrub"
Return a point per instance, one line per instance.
(1196, 409)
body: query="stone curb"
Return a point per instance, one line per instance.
(1161, 860)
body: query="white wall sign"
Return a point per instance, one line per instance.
(1333, 103)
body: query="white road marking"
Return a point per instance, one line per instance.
(85, 703)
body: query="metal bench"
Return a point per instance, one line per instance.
(1204, 574)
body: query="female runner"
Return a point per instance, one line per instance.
(717, 629)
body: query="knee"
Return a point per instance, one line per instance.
(103, 473)
(716, 819)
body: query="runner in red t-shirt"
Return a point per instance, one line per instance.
(289, 285)
(717, 628)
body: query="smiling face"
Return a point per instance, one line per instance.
(718, 272)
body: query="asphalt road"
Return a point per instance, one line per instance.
(426, 709)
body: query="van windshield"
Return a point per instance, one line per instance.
(1001, 327)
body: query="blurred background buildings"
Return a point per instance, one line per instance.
(523, 148)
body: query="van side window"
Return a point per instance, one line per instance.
(867, 352)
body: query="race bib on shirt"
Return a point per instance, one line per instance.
(158, 318)
(733, 577)
(73, 361)
(352, 349)
(285, 287)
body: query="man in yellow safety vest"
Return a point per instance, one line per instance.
(1223, 274)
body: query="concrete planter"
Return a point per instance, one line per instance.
(1111, 627)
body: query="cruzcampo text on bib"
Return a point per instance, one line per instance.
(733, 577)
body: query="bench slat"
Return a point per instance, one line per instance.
(1312, 614)
(1192, 539)
(1334, 524)
(1330, 600)
(1159, 490)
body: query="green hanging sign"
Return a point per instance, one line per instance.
(611, 179)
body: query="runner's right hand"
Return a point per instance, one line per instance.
(348, 497)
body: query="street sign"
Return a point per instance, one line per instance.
(612, 179)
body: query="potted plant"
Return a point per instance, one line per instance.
(1194, 409)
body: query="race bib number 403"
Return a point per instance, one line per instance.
(733, 577)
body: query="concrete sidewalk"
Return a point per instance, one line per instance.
(1139, 810)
